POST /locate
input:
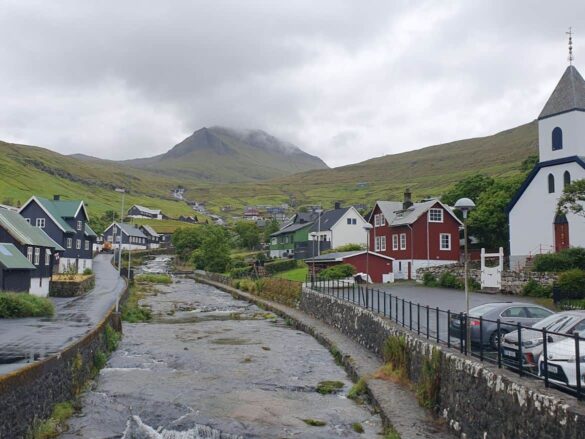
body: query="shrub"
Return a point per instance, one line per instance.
(449, 280)
(427, 389)
(357, 390)
(279, 290)
(340, 271)
(154, 278)
(132, 312)
(563, 260)
(429, 280)
(571, 284)
(112, 338)
(99, 360)
(15, 305)
(344, 248)
(56, 424)
(536, 289)
(240, 272)
(280, 265)
(87, 272)
(395, 353)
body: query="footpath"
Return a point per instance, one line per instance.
(397, 403)
(25, 340)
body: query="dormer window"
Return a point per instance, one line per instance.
(567, 178)
(79, 225)
(557, 139)
(551, 184)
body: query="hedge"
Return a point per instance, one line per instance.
(282, 265)
(15, 305)
(566, 259)
(340, 271)
(571, 284)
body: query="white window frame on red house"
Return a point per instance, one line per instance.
(376, 220)
(438, 217)
(382, 220)
(403, 241)
(382, 243)
(377, 244)
(448, 236)
(395, 242)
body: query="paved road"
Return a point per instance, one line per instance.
(25, 340)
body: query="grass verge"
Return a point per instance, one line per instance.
(55, 424)
(17, 305)
(153, 278)
(132, 311)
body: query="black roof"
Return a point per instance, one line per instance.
(569, 95)
(328, 219)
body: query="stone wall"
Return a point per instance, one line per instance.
(61, 287)
(512, 281)
(28, 395)
(477, 400)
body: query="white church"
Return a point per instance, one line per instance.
(535, 226)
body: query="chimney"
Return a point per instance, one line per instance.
(56, 197)
(337, 205)
(407, 199)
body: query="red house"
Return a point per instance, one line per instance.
(415, 234)
(375, 264)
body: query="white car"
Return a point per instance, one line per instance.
(562, 362)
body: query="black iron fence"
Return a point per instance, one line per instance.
(554, 354)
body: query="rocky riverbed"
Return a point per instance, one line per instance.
(210, 366)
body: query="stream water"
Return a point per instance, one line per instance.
(210, 366)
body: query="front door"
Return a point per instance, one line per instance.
(561, 232)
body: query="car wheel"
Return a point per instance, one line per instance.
(494, 338)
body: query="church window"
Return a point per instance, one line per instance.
(551, 183)
(567, 178)
(557, 139)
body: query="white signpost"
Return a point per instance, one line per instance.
(491, 277)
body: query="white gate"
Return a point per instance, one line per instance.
(491, 277)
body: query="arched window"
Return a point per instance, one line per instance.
(567, 178)
(557, 139)
(551, 183)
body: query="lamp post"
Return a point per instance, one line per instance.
(313, 236)
(123, 192)
(318, 212)
(465, 205)
(367, 228)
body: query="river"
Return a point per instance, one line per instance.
(211, 366)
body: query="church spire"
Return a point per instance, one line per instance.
(570, 34)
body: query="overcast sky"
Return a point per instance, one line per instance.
(345, 80)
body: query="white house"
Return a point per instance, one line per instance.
(535, 226)
(340, 226)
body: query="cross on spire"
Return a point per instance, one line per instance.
(570, 34)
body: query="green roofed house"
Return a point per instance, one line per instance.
(15, 269)
(290, 241)
(34, 245)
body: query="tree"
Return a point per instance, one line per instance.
(470, 187)
(99, 224)
(272, 227)
(573, 198)
(187, 239)
(214, 252)
(248, 234)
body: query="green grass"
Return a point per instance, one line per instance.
(357, 427)
(132, 311)
(17, 305)
(328, 387)
(314, 422)
(56, 424)
(296, 274)
(154, 278)
(357, 390)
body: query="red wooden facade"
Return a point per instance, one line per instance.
(376, 265)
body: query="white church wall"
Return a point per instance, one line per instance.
(573, 126)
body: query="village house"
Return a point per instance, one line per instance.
(252, 214)
(66, 223)
(291, 240)
(153, 237)
(376, 265)
(130, 237)
(15, 269)
(340, 226)
(534, 223)
(35, 246)
(138, 211)
(415, 234)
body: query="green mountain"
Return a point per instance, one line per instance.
(227, 156)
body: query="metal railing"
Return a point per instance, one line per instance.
(556, 357)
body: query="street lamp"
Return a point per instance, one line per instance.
(367, 228)
(313, 236)
(465, 205)
(318, 212)
(123, 192)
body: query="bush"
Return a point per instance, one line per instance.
(571, 284)
(281, 265)
(395, 353)
(536, 289)
(449, 280)
(429, 280)
(272, 288)
(240, 272)
(15, 305)
(132, 312)
(340, 271)
(563, 260)
(345, 248)
(154, 278)
(87, 272)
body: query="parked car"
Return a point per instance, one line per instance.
(566, 322)
(509, 314)
(562, 362)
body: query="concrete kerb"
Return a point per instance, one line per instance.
(28, 394)
(381, 396)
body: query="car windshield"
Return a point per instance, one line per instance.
(483, 309)
(555, 323)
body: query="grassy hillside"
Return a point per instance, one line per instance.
(428, 172)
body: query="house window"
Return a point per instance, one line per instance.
(29, 254)
(382, 220)
(567, 178)
(79, 225)
(87, 245)
(78, 244)
(394, 242)
(40, 223)
(403, 241)
(47, 257)
(37, 256)
(383, 243)
(445, 241)
(69, 242)
(273, 241)
(354, 221)
(110, 238)
(551, 184)
(436, 215)
(557, 139)
(376, 220)
(377, 247)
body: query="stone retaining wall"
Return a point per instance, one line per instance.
(512, 281)
(71, 288)
(28, 395)
(475, 399)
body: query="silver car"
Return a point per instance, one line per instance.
(566, 322)
(510, 315)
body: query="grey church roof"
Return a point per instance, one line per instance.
(568, 95)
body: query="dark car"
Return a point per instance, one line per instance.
(510, 314)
